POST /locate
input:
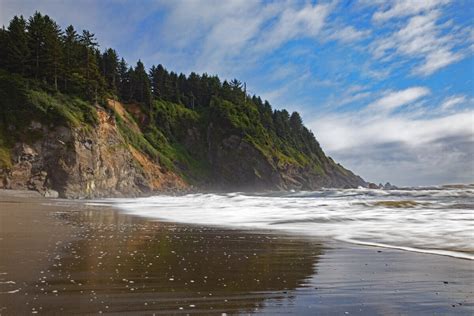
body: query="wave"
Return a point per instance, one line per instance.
(431, 220)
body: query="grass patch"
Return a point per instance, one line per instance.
(5, 158)
(62, 108)
(5, 151)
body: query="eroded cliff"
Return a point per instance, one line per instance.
(62, 145)
(85, 163)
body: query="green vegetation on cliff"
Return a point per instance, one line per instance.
(60, 77)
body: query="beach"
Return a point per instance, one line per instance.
(70, 257)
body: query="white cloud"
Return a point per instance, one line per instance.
(188, 21)
(293, 23)
(436, 60)
(224, 36)
(453, 101)
(354, 98)
(402, 8)
(347, 34)
(396, 99)
(421, 39)
(391, 146)
(344, 131)
(448, 160)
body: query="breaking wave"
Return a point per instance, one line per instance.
(438, 220)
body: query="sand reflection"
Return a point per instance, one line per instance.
(119, 263)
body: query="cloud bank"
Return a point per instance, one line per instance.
(409, 147)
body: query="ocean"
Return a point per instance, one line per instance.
(436, 220)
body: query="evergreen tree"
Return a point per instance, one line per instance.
(153, 83)
(141, 85)
(124, 80)
(130, 75)
(281, 123)
(89, 44)
(189, 89)
(173, 89)
(93, 79)
(296, 123)
(110, 69)
(36, 43)
(53, 51)
(265, 111)
(158, 77)
(182, 86)
(16, 51)
(3, 47)
(213, 88)
(235, 85)
(70, 54)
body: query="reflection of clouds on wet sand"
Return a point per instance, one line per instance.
(120, 263)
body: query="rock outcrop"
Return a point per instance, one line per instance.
(85, 163)
(238, 165)
(100, 160)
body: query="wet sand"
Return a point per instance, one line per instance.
(63, 257)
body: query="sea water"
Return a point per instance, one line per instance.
(438, 220)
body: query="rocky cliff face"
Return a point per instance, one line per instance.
(101, 159)
(239, 165)
(82, 163)
(85, 163)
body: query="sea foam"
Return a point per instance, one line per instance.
(437, 220)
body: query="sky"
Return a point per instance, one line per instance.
(385, 86)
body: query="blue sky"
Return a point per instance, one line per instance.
(386, 86)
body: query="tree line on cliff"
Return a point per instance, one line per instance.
(67, 66)
(70, 62)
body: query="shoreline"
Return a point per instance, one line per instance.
(434, 252)
(84, 253)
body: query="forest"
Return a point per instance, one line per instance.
(63, 73)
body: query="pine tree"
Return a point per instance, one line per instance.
(36, 42)
(124, 80)
(265, 111)
(166, 86)
(130, 86)
(70, 54)
(16, 50)
(141, 85)
(296, 123)
(53, 51)
(110, 68)
(154, 84)
(93, 80)
(235, 84)
(3, 47)
(182, 87)
(281, 123)
(88, 43)
(173, 89)
(196, 90)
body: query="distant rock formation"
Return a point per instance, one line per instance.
(380, 186)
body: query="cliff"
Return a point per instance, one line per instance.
(80, 163)
(52, 142)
